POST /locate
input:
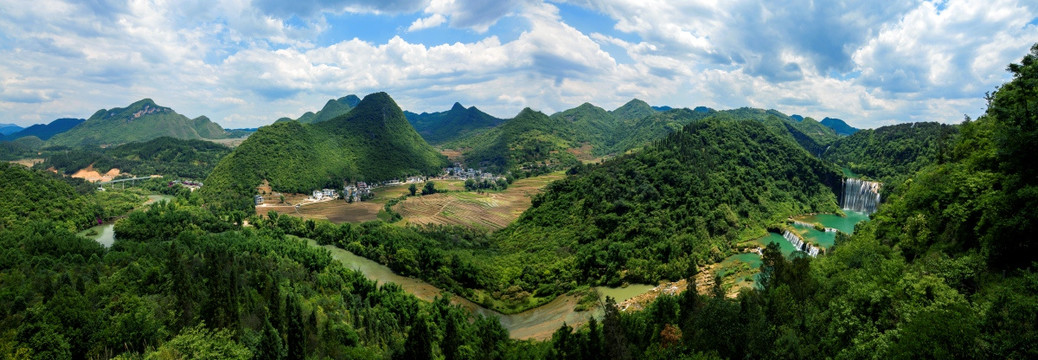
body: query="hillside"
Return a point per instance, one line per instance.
(141, 121)
(166, 156)
(372, 142)
(592, 125)
(453, 124)
(530, 141)
(895, 151)
(632, 111)
(45, 131)
(839, 126)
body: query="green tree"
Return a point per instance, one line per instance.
(413, 189)
(430, 188)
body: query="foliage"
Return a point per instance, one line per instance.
(892, 153)
(456, 123)
(171, 157)
(141, 121)
(839, 126)
(30, 195)
(529, 141)
(372, 142)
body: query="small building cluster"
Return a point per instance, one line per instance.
(324, 194)
(460, 172)
(357, 192)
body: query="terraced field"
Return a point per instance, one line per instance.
(489, 210)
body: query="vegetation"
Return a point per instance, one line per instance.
(839, 126)
(332, 109)
(531, 142)
(893, 153)
(373, 142)
(30, 196)
(456, 123)
(166, 156)
(141, 121)
(179, 283)
(944, 270)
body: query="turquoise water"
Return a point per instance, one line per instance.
(842, 223)
(749, 258)
(822, 238)
(785, 246)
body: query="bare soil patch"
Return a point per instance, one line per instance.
(27, 162)
(489, 210)
(90, 174)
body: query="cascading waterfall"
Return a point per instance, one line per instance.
(860, 195)
(799, 243)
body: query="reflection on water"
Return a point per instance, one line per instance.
(104, 234)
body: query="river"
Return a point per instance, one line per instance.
(537, 323)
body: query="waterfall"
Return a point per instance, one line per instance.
(860, 195)
(799, 243)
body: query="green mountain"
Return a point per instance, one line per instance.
(635, 133)
(165, 156)
(45, 131)
(141, 121)
(531, 141)
(839, 126)
(372, 142)
(893, 152)
(632, 111)
(592, 125)
(688, 197)
(456, 123)
(332, 109)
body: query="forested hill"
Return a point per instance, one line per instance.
(893, 152)
(332, 109)
(166, 156)
(456, 123)
(372, 142)
(839, 126)
(141, 121)
(690, 196)
(530, 141)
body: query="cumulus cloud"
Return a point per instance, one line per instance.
(247, 62)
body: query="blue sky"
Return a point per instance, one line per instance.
(245, 63)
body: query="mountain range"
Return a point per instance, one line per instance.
(141, 121)
(6, 129)
(45, 131)
(839, 126)
(458, 122)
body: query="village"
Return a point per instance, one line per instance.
(360, 191)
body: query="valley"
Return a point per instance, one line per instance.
(657, 231)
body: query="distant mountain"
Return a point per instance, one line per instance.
(592, 125)
(6, 129)
(662, 108)
(796, 117)
(332, 109)
(632, 111)
(141, 121)
(373, 142)
(46, 131)
(639, 132)
(839, 126)
(453, 124)
(530, 141)
(165, 156)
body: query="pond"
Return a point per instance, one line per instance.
(104, 234)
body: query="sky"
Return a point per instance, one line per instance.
(246, 63)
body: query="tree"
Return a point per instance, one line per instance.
(413, 189)
(419, 340)
(430, 188)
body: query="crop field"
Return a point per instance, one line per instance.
(489, 210)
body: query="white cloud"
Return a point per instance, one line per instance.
(427, 22)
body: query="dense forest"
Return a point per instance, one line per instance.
(457, 123)
(530, 141)
(372, 142)
(72, 204)
(892, 153)
(166, 156)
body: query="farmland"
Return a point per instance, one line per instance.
(488, 210)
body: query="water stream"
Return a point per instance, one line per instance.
(860, 195)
